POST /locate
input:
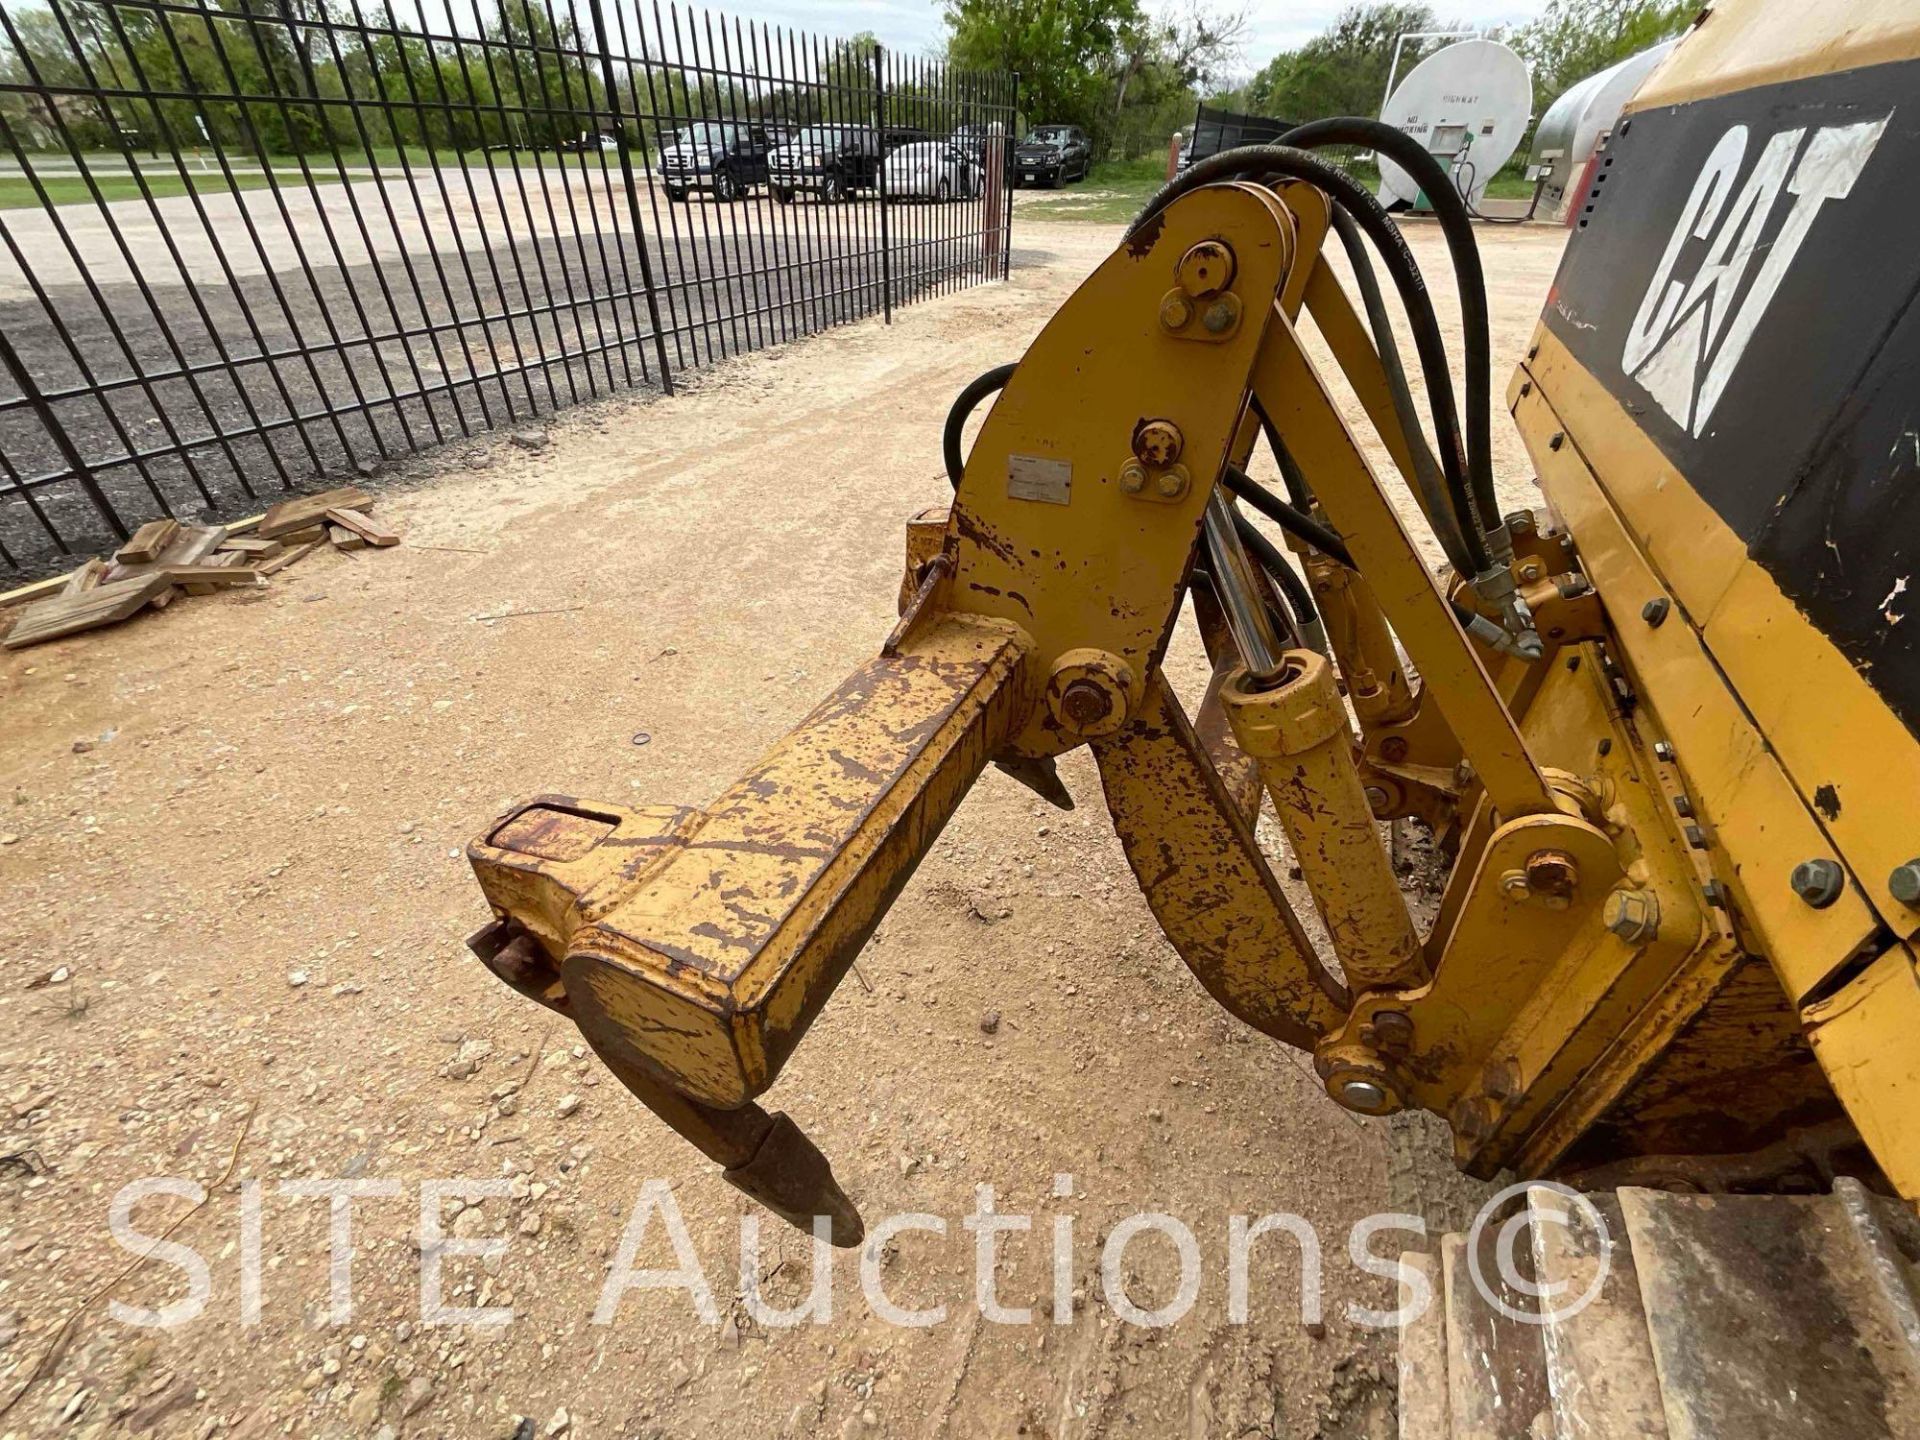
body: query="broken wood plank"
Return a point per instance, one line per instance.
(251, 546)
(365, 526)
(65, 615)
(86, 578)
(189, 546)
(291, 516)
(345, 539)
(35, 590)
(287, 557)
(305, 536)
(205, 579)
(148, 542)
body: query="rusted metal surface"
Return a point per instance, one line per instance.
(1202, 872)
(1764, 1320)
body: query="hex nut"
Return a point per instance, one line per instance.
(1206, 269)
(1633, 915)
(1819, 882)
(1133, 477)
(1176, 311)
(1654, 612)
(1173, 482)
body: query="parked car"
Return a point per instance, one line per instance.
(833, 161)
(1053, 155)
(728, 159)
(974, 139)
(932, 170)
(588, 141)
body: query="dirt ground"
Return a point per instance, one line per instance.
(232, 906)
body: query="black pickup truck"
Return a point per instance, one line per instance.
(1053, 155)
(727, 158)
(834, 161)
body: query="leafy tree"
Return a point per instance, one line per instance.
(1067, 52)
(1573, 39)
(1342, 71)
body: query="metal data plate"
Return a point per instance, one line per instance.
(1029, 477)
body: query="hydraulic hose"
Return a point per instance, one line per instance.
(1269, 558)
(1446, 517)
(1295, 522)
(1457, 225)
(964, 405)
(1344, 189)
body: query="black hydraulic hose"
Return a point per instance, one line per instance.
(1448, 523)
(1295, 522)
(1298, 491)
(1457, 225)
(1267, 556)
(1345, 190)
(963, 405)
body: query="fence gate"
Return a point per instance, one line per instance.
(251, 243)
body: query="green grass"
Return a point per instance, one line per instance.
(66, 187)
(1116, 190)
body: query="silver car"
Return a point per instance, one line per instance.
(932, 170)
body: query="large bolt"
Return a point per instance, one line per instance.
(1378, 800)
(1633, 915)
(1365, 1096)
(1904, 882)
(1818, 882)
(1158, 442)
(1654, 612)
(1133, 477)
(1393, 1029)
(1176, 311)
(1220, 316)
(1552, 874)
(1172, 483)
(1085, 704)
(1205, 270)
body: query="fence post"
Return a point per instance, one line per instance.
(880, 181)
(633, 199)
(57, 432)
(1013, 133)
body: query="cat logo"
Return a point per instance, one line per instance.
(1688, 337)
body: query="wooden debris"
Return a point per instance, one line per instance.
(64, 615)
(252, 546)
(345, 539)
(190, 545)
(148, 542)
(291, 516)
(87, 577)
(205, 579)
(288, 557)
(34, 590)
(307, 535)
(365, 526)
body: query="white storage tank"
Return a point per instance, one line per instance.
(1469, 104)
(1574, 125)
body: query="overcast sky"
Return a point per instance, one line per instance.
(915, 26)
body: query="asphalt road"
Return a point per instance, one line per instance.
(395, 316)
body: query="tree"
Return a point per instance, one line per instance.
(1105, 65)
(1342, 71)
(1573, 39)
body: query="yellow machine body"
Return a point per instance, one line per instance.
(1626, 974)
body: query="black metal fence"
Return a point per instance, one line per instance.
(255, 242)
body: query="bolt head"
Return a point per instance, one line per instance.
(1378, 800)
(1530, 572)
(1654, 612)
(1552, 872)
(1513, 885)
(1633, 915)
(1172, 484)
(1393, 749)
(1905, 883)
(1819, 882)
(1219, 317)
(1362, 1095)
(1175, 312)
(1133, 477)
